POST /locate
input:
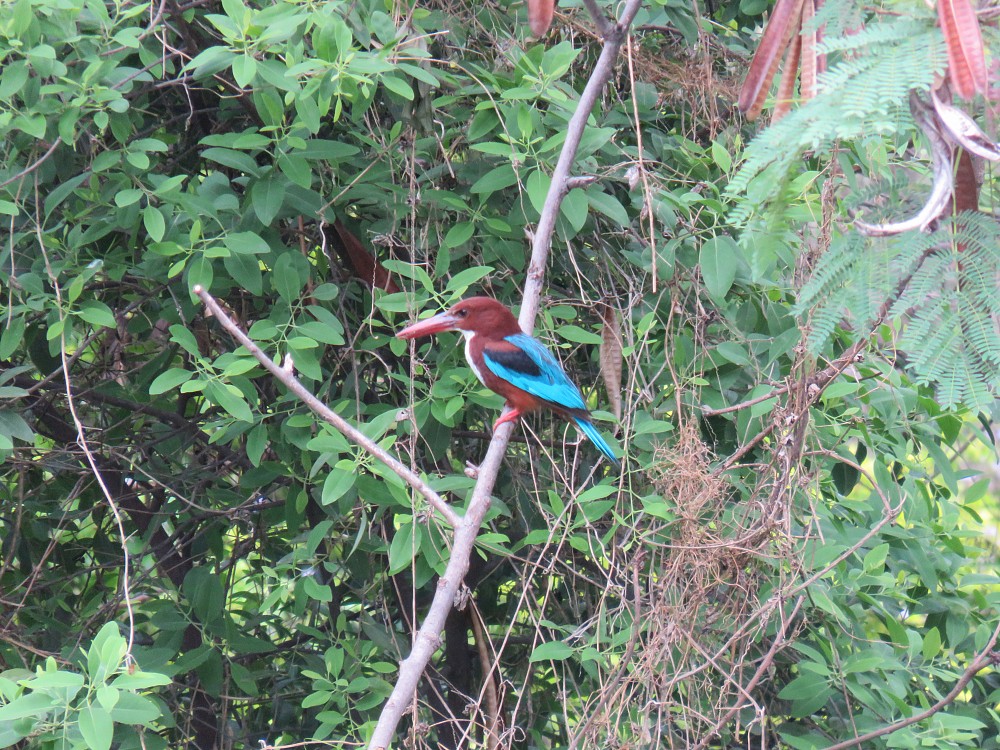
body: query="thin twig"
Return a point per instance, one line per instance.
(342, 425)
(81, 436)
(762, 669)
(624, 663)
(744, 404)
(647, 196)
(32, 167)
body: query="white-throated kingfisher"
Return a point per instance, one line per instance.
(510, 362)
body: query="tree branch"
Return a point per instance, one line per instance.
(603, 23)
(428, 637)
(346, 428)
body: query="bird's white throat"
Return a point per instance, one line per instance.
(468, 354)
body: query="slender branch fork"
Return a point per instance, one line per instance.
(465, 528)
(287, 377)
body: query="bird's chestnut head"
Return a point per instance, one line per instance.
(473, 315)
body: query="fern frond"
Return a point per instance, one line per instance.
(946, 314)
(872, 34)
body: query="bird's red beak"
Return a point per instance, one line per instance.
(441, 322)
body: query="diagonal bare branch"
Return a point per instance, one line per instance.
(350, 431)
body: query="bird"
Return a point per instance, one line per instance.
(512, 363)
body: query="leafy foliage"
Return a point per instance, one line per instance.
(941, 284)
(793, 525)
(68, 707)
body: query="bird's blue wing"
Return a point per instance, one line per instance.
(532, 368)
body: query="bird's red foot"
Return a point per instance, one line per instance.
(508, 417)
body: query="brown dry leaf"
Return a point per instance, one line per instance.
(361, 262)
(786, 88)
(809, 39)
(540, 13)
(966, 58)
(781, 26)
(611, 358)
(966, 190)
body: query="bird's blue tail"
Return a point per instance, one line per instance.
(595, 437)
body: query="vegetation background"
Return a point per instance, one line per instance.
(801, 548)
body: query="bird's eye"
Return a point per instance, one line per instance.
(462, 313)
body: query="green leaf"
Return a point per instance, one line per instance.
(459, 234)
(326, 317)
(932, 644)
(537, 185)
(575, 208)
(721, 157)
(97, 313)
(322, 333)
(609, 206)
(36, 705)
(108, 696)
(336, 485)
(230, 399)
(185, 339)
(326, 150)
(127, 197)
(96, 727)
(244, 70)
(578, 335)
(168, 380)
(106, 652)
(268, 196)
(232, 159)
(495, 180)
(200, 273)
(243, 678)
(153, 220)
(11, 336)
(245, 271)
(139, 680)
(461, 281)
(137, 709)
(719, 260)
(308, 113)
(403, 548)
(13, 425)
(399, 87)
(875, 559)
(551, 651)
(15, 73)
(257, 441)
(317, 591)
(285, 278)
(657, 507)
(296, 169)
(733, 352)
(204, 591)
(61, 192)
(495, 148)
